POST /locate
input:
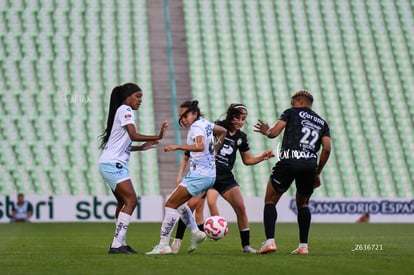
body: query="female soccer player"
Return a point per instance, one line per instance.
(202, 174)
(117, 146)
(304, 134)
(225, 183)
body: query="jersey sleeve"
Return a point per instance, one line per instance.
(196, 130)
(285, 116)
(126, 116)
(244, 145)
(326, 132)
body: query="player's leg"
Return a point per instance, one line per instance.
(119, 204)
(304, 221)
(212, 196)
(186, 215)
(269, 219)
(193, 203)
(279, 181)
(199, 211)
(196, 184)
(178, 197)
(304, 186)
(125, 194)
(234, 197)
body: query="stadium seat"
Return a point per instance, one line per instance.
(53, 51)
(355, 56)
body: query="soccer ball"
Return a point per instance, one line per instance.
(216, 227)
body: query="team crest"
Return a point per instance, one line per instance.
(128, 116)
(239, 141)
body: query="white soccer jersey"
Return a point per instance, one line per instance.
(118, 147)
(202, 162)
(21, 210)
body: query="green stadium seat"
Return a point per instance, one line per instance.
(51, 51)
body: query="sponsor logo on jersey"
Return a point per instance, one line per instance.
(306, 115)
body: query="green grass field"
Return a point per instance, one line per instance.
(81, 248)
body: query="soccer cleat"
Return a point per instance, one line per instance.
(267, 247)
(196, 239)
(300, 250)
(131, 250)
(175, 246)
(119, 250)
(160, 249)
(248, 249)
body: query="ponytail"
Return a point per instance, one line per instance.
(118, 95)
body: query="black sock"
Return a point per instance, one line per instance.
(304, 219)
(201, 226)
(245, 237)
(269, 220)
(180, 230)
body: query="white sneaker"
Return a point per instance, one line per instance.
(175, 246)
(160, 249)
(196, 239)
(248, 249)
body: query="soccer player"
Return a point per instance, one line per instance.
(202, 147)
(304, 133)
(22, 210)
(116, 143)
(226, 184)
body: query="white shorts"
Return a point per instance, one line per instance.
(196, 183)
(113, 173)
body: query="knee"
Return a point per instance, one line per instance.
(240, 209)
(131, 201)
(193, 204)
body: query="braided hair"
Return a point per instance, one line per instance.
(118, 95)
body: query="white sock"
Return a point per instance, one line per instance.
(116, 226)
(187, 216)
(124, 243)
(270, 240)
(170, 219)
(303, 245)
(122, 224)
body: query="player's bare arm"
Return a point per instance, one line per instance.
(220, 133)
(248, 159)
(135, 136)
(264, 129)
(323, 159)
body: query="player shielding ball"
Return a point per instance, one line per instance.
(226, 184)
(202, 147)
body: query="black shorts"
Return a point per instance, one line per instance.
(303, 172)
(224, 183)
